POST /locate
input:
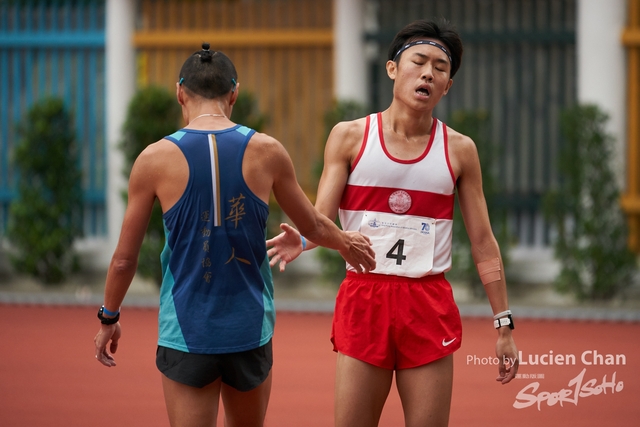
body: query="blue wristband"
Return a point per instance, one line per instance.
(109, 313)
(304, 242)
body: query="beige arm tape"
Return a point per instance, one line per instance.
(489, 271)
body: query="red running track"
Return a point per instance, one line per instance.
(49, 376)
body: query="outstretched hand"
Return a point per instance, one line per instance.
(360, 254)
(105, 334)
(285, 247)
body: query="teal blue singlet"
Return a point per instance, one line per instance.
(217, 289)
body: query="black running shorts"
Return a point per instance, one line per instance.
(243, 371)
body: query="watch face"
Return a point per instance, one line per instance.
(504, 321)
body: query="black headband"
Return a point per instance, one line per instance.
(429, 42)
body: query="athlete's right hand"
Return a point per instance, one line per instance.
(360, 254)
(105, 334)
(285, 247)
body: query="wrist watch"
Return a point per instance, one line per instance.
(107, 320)
(504, 321)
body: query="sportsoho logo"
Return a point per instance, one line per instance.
(580, 387)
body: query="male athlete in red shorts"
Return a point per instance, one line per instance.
(393, 176)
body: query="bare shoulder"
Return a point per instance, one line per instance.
(264, 161)
(346, 138)
(158, 154)
(351, 128)
(460, 143)
(264, 157)
(349, 131)
(463, 153)
(265, 148)
(162, 169)
(265, 141)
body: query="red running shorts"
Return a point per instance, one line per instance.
(396, 322)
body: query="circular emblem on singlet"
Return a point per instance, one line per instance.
(400, 201)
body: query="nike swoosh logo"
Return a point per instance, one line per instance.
(446, 343)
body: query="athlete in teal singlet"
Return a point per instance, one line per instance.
(213, 180)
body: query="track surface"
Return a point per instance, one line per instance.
(49, 376)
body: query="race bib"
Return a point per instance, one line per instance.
(403, 244)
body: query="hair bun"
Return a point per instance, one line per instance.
(205, 53)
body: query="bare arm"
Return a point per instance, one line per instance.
(315, 226)
(125, 258)
(476, 219)
(341, 149)
(484, 246)
(124, 262)
(342, 146)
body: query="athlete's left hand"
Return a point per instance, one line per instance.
(508, 356)
(105, 334)
(285, 247)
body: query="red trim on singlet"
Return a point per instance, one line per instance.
(423, 203)
(364, 144)
(445, 135)
(406, 162)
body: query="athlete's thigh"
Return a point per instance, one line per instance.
(191, 406)
(246, 408)
(425, 393)
(360, 393)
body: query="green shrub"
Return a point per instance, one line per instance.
(46, 217)
(591, 241)
(475, 124)
(152, 114)
(246, 112)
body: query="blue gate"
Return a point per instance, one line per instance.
(55, 48)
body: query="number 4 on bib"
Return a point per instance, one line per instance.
(398, 256)
(403, 244)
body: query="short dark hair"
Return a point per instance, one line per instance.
(442, 31)
(209, 74)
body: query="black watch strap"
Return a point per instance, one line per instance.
(107, 320)
(503, 321)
